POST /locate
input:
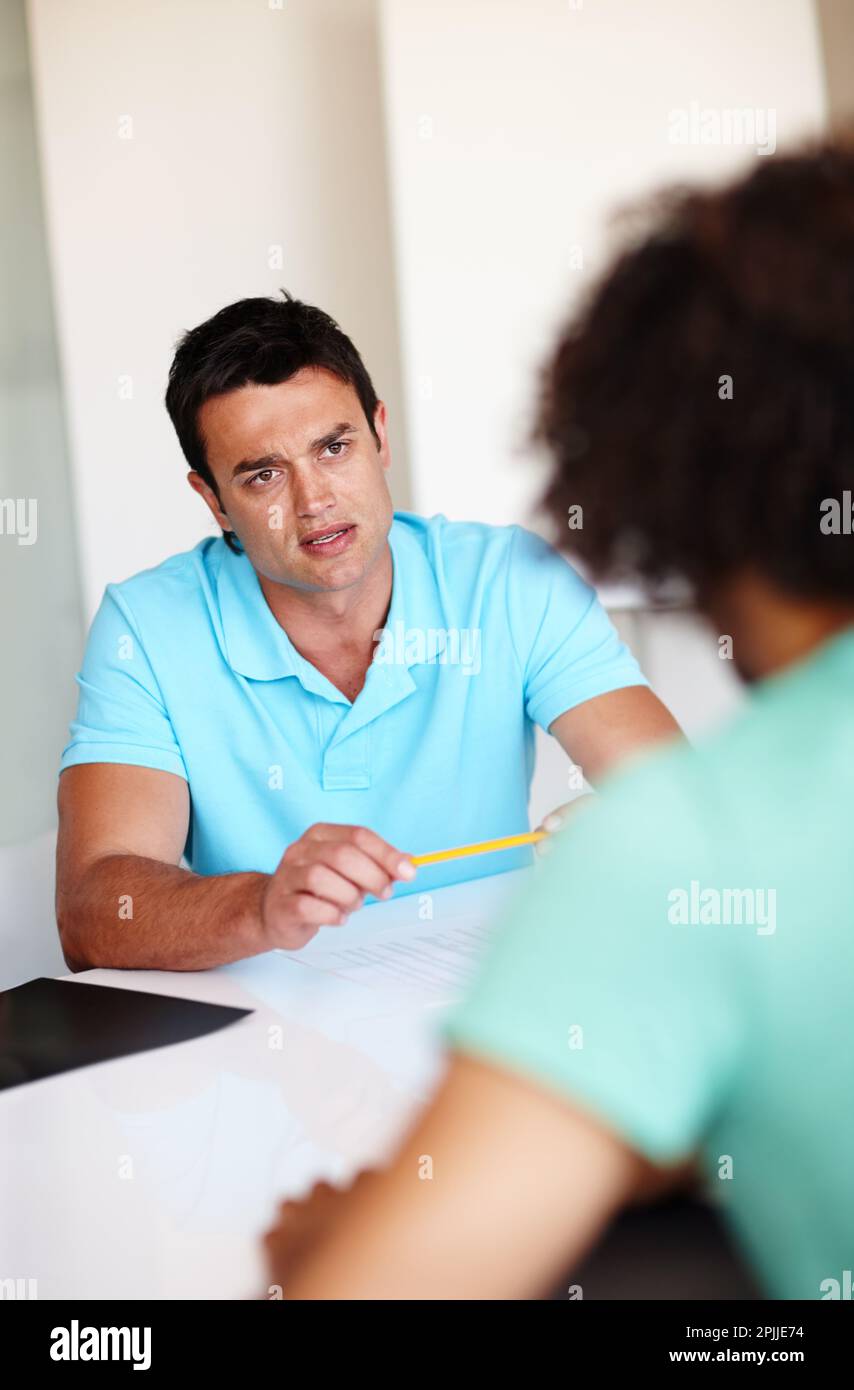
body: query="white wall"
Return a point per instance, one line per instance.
(515, 127)
(40, 615)
(253, 127)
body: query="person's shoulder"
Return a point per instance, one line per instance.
(656, 806)
(470, 543)
(787, 754)
(179, 587)
(692, 801)
(438, 532)
(179, 576)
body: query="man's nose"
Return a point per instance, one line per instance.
(312, 496)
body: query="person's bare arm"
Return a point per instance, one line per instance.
(602, 732)
(523, 1183)
(122, 901)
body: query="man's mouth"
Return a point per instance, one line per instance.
(331, 538)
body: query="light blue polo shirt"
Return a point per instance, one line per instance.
(489, 632)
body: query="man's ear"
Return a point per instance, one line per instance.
(381, 432)
(205, 491)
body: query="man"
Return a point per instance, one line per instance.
(691, 999)
(286, 705)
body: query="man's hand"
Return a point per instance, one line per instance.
(323, 877)
(557, 819)
(302, 1225)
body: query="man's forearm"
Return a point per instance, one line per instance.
(126, 913)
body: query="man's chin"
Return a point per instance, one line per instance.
(304, 573)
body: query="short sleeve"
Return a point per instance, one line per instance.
(567, 647)
(589, 989)
(121, 717)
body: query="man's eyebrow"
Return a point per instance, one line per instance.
(252, 465)
(331, 435)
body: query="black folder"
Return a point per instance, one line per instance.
(52, 1026)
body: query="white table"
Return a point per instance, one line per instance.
(153, 1176)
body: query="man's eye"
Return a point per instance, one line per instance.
(264, 476)
(337, 447)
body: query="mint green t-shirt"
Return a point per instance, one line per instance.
(682, 966)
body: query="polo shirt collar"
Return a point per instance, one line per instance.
(254, 643)
(256, 646)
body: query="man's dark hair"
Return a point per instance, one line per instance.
(754, 282)
(260, 341)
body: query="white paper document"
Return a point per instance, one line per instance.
(389, 947)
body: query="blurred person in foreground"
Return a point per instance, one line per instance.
(675, 985)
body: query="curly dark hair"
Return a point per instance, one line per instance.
(754, 282)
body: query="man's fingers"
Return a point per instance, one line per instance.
(551, 823)
(306, 910)
(300, 1223)
(323, 876)
(558, 818)
(360, 868)
(395, 863)
(293, 1216)
(337, 871)
(319, 1199)
(334, 886)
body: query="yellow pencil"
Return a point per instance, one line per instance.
(485, 847)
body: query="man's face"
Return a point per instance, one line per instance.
(294, 463)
